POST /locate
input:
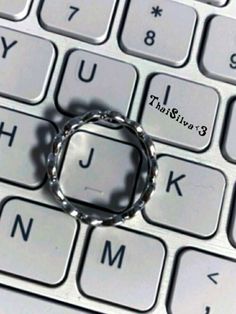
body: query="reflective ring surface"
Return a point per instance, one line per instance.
(62, 138)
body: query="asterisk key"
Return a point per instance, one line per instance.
(156, 11)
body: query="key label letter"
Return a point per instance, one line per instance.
(6, 46)
(174, 181)
(107, 252)
(87, 164)
(208, 310)
(212, 277)
(25, 232)
(92, 74)
(167, 93)
(233, 61)
(11, 135)
(74, 11)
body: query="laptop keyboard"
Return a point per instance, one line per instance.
(167, 64)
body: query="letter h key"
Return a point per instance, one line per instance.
(7, 133)
(18, 139)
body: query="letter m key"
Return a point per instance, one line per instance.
(117, 257)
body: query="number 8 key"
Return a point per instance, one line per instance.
(162, 36)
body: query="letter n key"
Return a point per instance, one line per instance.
(31, 241)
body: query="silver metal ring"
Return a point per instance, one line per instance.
(59, 143)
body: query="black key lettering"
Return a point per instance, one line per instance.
(74, 11)
(156, 11)
(7, 47)
(11, 135)
(233, 61)
(150, 38)
(208, 310)
(89, 78)
(167, 93)
(174, 181)
(107, 253)
(213, 278)
(25, 232)
(87, 164)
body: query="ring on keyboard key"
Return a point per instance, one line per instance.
(60, 144)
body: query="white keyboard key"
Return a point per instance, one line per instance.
(123, 267)
(229, 145)
(16, 302)
(219, 56)
(154, 30)
(99, 157)
(209, 283)
(88, 20)
(24, 144)
(14, 9)
(232, 230)
(92, 81)
(218, 3)
(180, 112)
(31, 234)
(188, 198)
(18, 55)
